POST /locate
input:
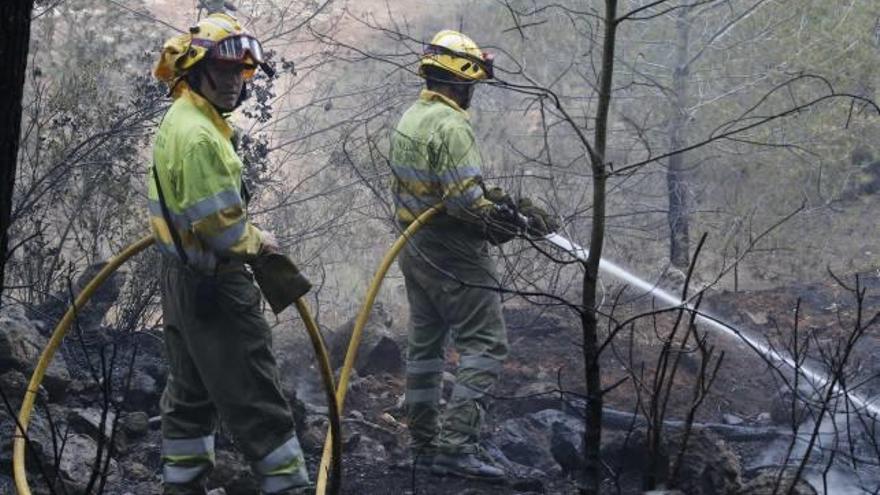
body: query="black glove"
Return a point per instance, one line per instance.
(502, 224)
(540, 223)
(498, 196)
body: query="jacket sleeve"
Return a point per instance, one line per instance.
(459, 172)
(211, 199)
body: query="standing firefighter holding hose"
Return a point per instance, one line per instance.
(450, 278)
(218, 343)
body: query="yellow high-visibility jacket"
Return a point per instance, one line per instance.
(200, 175)
(434, 158)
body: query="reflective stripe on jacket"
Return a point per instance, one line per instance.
(434, 158)
(200, 175)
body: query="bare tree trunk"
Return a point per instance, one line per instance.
(15, 24)
(592, 371)
(678, 214)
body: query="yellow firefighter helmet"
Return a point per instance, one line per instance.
(457, 54)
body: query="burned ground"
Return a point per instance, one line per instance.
(534, 426)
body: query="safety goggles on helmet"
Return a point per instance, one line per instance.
(237, 48)
(486, 60)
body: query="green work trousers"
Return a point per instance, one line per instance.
(221, 366)
(451, 287)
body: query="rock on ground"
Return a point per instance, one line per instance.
(21, 344)
(534, 440)
(38, 433)
(14, 384)
(136, 424)
(90, 316)
(89, 422)
(7, 485)
(144, 392)
(769, 482)
(785, 409)
(379, 351)
(709, 466)
(77, 463)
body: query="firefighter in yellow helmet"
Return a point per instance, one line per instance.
(221, 364)
(450, 279)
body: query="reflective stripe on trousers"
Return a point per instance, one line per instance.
(476, 375)
(282, 468)
(423, 381)
(186, 460)
(424, 378)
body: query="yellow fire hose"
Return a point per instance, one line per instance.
(332, 406)
(332, 449)
(360, 322)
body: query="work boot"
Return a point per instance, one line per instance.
(467, 466)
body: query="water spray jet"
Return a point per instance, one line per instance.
(816, 378)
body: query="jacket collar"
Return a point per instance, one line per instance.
(431, 96)
(184, 91)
